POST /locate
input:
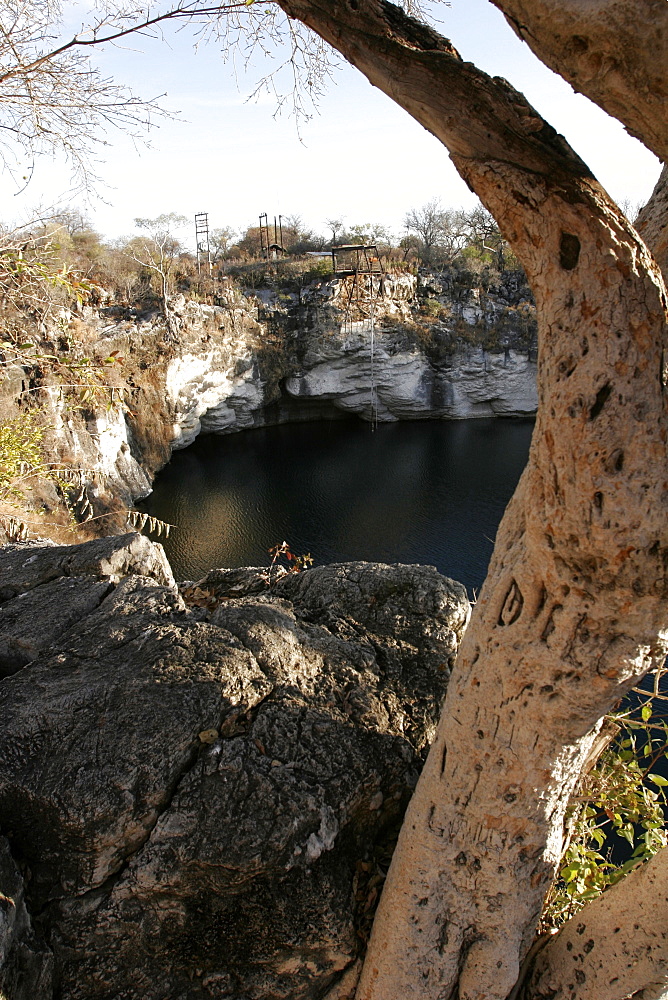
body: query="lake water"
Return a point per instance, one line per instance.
(427, 492)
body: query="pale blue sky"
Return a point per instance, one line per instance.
(362, 157)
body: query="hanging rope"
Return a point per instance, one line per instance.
(374, 400)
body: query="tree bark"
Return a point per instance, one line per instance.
(613, 51)
(615, 947)
(652, 222)
(573, 611)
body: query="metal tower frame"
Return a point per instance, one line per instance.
(266, 247)
(202, 241)
(360, 262)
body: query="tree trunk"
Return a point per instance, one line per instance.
(613, 51)
(573, 611)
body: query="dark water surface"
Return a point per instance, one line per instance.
(427, 492)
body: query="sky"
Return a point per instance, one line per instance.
(360, 158)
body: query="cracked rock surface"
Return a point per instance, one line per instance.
(189, 793)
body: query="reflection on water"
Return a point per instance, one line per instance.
(429, 492)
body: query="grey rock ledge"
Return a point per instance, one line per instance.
(191, 797)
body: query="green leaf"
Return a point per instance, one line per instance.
(658, 779)
(599, 837)
(627, 833)
(646, 713)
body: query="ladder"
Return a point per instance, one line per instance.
(202, 242)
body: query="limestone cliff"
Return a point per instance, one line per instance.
(429, 349)
(380, 360)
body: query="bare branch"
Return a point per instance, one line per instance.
(53, 99)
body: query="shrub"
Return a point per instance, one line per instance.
(620, 799)
(20, 455)
(432, 307)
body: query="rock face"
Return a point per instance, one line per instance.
(101, 440)
(26, 964)
(222, 395)
(400, 382)
(194, 791)
(217, 382)
(369, 359)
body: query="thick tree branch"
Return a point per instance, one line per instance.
(405, 59)
(613, 51)
(615, 947)
(652, 222)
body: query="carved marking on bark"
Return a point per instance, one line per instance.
(438, 830)
(550, 626)
(542, 600)
(602, 396)
(614, 462)
(567, 366)
(569, 251)
(512, 605)
(576, 408)
(478, 769)
(444, 758)
(507, 701)
(443, 938)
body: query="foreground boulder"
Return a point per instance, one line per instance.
(197, 793)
